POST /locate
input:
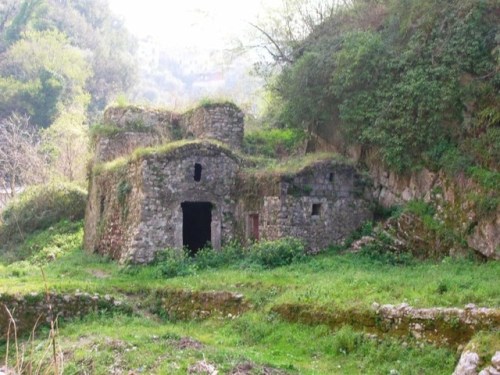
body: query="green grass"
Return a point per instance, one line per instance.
(97, 343)
(146, 343)
(329, 279)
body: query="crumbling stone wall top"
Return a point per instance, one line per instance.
(127, 128)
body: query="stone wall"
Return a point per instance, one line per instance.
(221, 122)
(322, 204)
(441, 326)
(37, 309)
(132, 127)
(113, 209)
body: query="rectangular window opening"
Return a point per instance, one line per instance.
(316, 209)
(254, 226)
(330, 177)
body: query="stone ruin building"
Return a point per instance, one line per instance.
(160, 179)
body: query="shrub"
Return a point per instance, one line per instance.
(172, 263)
(382, 251)
(40, 207)
(346, 340)
(210, 258)
(270, 254)
(272, 142)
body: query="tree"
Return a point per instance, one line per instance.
(66, 143)
(283, 29)
(21, 160)
(14, 18)
(51, 75)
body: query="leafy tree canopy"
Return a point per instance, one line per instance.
(418, 81)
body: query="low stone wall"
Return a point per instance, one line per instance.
(37, 309)
(440, 326)
(185, 305)
(469, 364)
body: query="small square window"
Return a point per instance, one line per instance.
(316, 209)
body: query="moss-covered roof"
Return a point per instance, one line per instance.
(291, 166)
(167, 149)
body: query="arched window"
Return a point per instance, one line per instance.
(197, 172)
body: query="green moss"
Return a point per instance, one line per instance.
(119, 164)
(294, 165)
(486, 344)
(216, 102)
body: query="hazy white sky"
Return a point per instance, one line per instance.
(200, 23)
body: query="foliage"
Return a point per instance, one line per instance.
(346, 340)
(267, 254)
(325, 281)
(21, 158)
(172, 263)
(61, 62)
(381, 251)
(418, 86)
(230, 254)
(273, 142)
(58, 71)
(44, 246)
(39, 207)
(277, 253)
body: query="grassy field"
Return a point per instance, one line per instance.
(257, 340)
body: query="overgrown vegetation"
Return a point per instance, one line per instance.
(38, 208)
(259, 337)
(61, 63)
(265, 254)
(273, 142)
(416, 80)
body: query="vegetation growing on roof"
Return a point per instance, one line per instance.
(159, 150)
(294, 165)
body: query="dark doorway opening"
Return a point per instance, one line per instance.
(196, 225)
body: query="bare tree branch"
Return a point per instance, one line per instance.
(281, 55)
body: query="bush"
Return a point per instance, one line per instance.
(172, 263)
(207, 257)
(40, 207)
(267, 254)
(381, 250)
(272, 142)
(270, 254)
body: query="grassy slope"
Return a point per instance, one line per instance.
(98, 343)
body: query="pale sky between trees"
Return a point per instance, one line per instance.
(201, 23)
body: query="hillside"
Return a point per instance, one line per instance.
(411, 91)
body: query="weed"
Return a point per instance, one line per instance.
(346, 340)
